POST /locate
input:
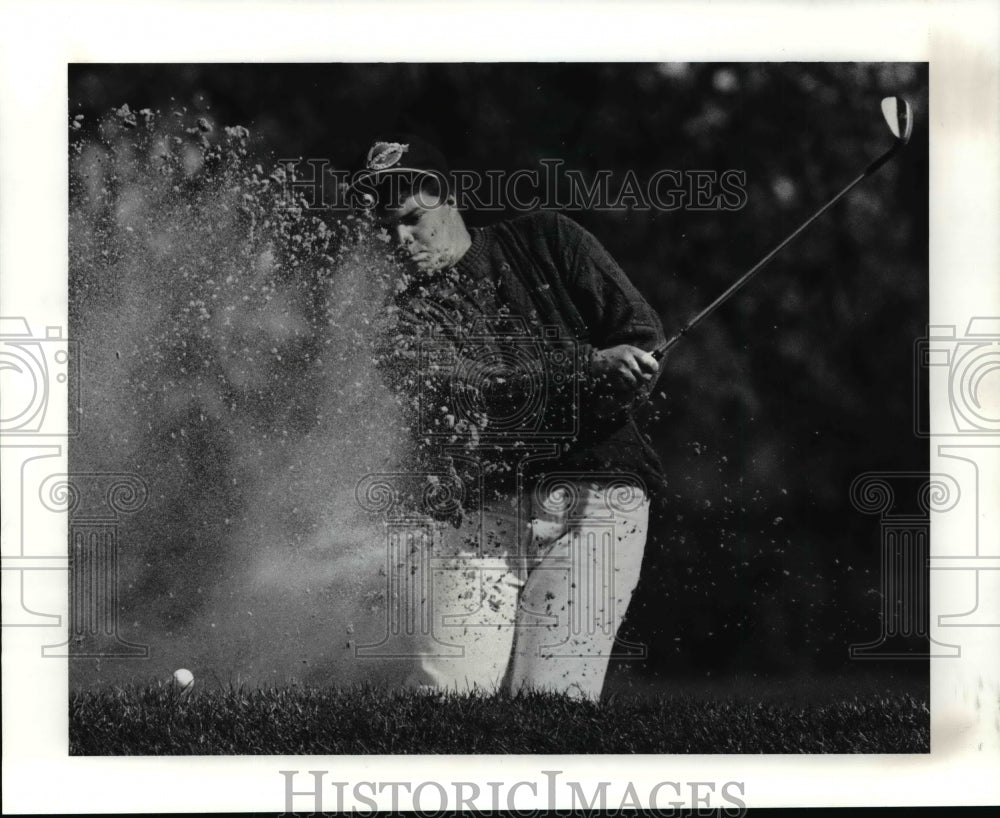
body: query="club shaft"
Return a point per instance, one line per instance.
(660, 352)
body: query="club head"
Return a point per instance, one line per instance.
(899, 117)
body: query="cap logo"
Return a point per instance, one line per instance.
(384, 155)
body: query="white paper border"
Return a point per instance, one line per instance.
(39, 39)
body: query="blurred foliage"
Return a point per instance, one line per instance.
(770, 408)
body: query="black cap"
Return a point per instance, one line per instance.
(399, 155)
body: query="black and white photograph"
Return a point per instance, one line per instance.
(503, 409)
(429, 382)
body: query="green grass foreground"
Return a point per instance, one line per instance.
(291, 721)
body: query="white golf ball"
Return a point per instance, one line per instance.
(183, 678)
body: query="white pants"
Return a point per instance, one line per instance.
(532, 597)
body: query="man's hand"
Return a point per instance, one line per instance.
(625, 369)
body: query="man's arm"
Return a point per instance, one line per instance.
(444, 376)
(624, 327)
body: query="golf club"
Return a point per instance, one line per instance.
(899, 117)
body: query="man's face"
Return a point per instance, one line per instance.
(427, 229)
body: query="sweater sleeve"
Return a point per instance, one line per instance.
(613, 308)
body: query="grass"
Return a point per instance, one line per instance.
(155, 720)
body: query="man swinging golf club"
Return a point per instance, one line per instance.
(530, 588)
(519, 345)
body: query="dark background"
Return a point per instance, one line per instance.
(758, 563)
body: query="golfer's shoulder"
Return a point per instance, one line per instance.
(546, 227)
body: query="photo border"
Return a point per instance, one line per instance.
(39, 39)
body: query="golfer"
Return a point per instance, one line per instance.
(518, 348)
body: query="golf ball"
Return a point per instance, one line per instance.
(183, 678)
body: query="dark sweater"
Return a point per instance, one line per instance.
(502, 343)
